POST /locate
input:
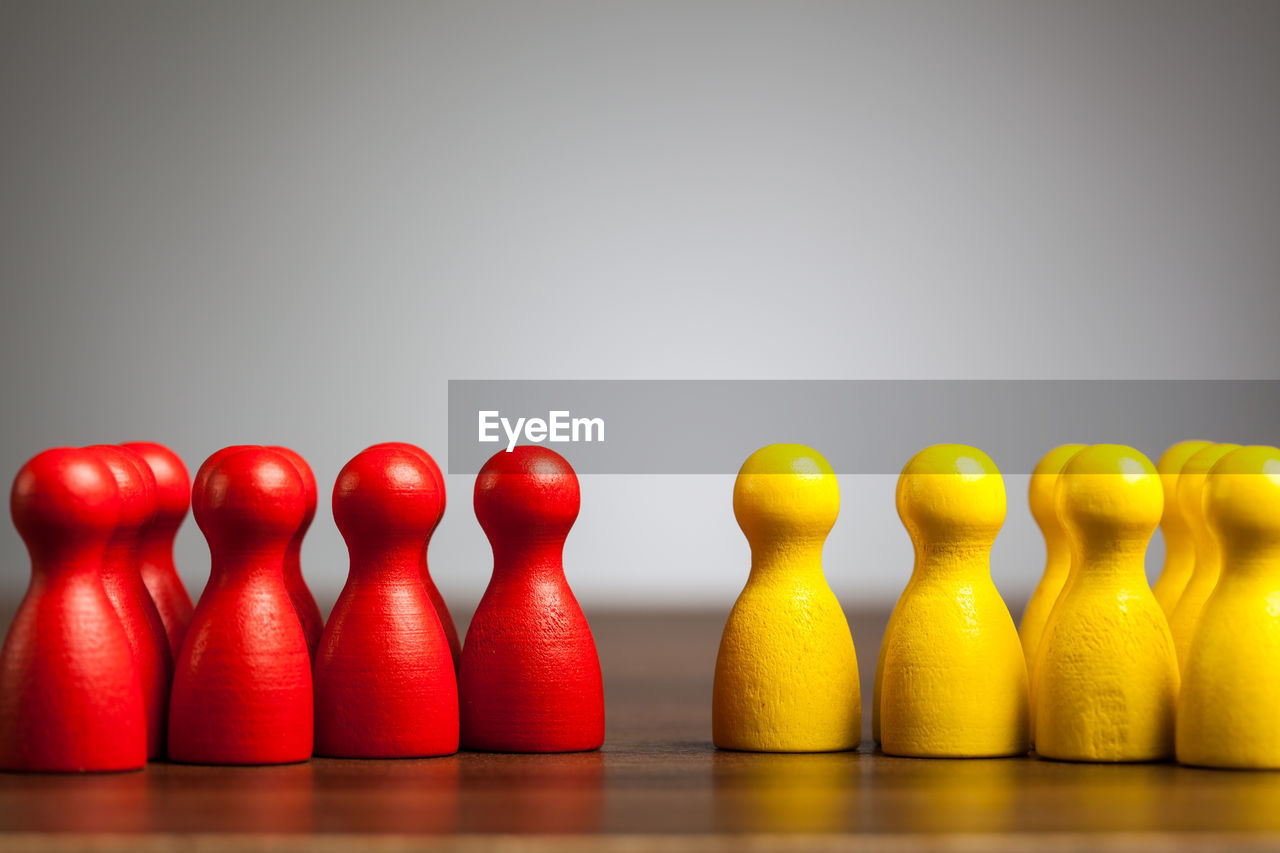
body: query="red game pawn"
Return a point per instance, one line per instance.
(70, 698)
(384, 678)
(206, 469)
(242, 686)
(530, 678)
(155, 552)
(123, 581)
(304, 603)
(437, 600)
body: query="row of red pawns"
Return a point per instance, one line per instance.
(107, 665)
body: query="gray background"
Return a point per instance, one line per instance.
(294, 222)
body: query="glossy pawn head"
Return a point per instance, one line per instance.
(65, 505)
(155, 554)
(387, 499)
(311, 500)
(785, 493)
(951, 493)
(384, 673)
(1110, 496)
(1190, 491)
(70, 697)
(1040, 491)
(253, 500)
(428, 461)
(122, 577)
(139, 500)
(1242, 505)
(310, 493)
(200, 482)
(1170, 469)
(173, 483)
(527, 498)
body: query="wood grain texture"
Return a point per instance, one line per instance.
(656, 784)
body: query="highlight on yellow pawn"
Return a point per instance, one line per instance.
(951, 680)
(1229, 710)
(786, 677)
(1106, 674)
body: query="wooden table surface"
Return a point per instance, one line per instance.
(658, 783)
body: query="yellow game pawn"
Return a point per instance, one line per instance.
(952, 679)
(786, 676)
(1179, 547)
(1229, 710)
(1106, 675)
(1208, 560)
(1057, 562)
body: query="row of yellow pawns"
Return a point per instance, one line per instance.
(1103, 668)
